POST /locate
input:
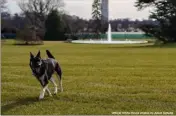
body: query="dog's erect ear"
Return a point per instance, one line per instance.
(49, 54)
(31, 55)
(38, 54)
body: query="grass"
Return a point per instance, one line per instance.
(97, 79)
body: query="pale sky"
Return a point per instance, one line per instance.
(83, 8)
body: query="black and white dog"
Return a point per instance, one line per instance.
(43, 70)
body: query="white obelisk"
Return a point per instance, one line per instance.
(105, 10)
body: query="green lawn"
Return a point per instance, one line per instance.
(97, 79)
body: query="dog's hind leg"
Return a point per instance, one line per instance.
(60, 83)
(55, 85)
(59, 75)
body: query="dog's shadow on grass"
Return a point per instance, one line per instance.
(18, 102)
(24, 101)
(34, 100)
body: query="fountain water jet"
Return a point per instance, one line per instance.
(109, 33)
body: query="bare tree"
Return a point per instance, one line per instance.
(37, 10)
(2, 5)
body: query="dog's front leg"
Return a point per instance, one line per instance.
(55, 85)
(42, 93)
(45, 87)
(48, 91)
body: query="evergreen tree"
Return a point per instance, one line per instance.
(55, 27)
(96, 16)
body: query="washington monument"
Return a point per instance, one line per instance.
(105, 10)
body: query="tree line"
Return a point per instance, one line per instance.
(41, 18)
(75, 24)
(164, 13)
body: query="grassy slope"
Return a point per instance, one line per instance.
(97, 79)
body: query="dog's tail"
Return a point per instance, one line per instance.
(49, 54)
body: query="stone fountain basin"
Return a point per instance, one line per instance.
(109, 42)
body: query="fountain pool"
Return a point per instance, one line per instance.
(109, 40)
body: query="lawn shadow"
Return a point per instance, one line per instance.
(127, 47)
(18, 44)
(18, 102)
(144, 46)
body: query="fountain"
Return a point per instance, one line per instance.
(105, 16)
(109, 40)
